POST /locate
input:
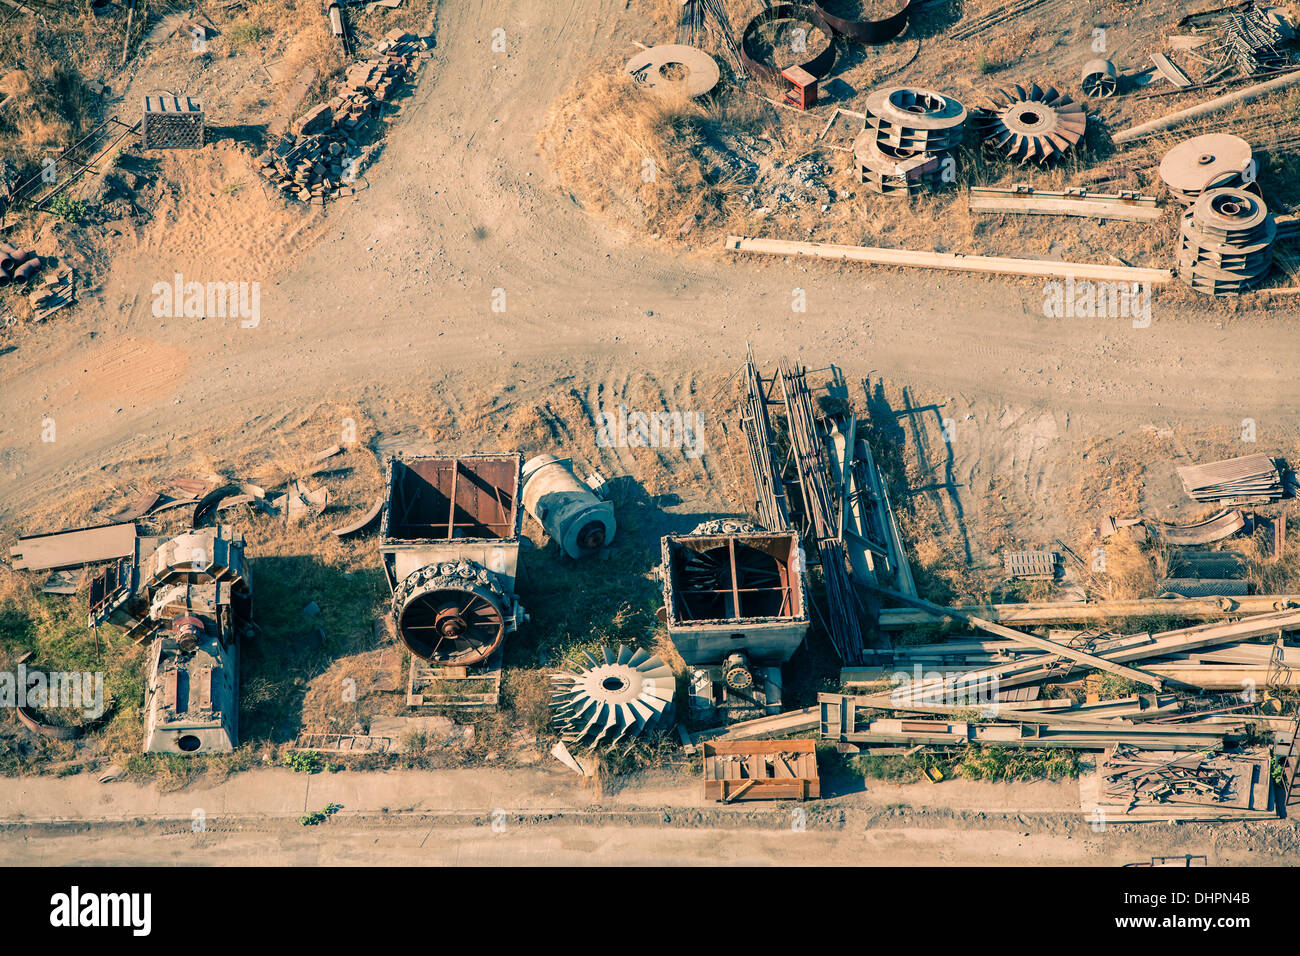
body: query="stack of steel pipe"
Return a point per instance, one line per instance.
(768, 487)
(822, 512)
(17, 265)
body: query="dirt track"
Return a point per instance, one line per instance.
(396, 296)
(544, 816)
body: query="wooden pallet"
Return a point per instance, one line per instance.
(761, 770)
(459, 688)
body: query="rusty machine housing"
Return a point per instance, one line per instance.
(450, 548)
(736, 607)
(191, 597)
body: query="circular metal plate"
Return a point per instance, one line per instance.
(1201, 162)
(673, 67)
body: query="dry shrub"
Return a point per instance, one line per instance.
(632, 153)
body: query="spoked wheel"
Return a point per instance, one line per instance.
(449, 620)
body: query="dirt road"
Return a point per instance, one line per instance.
(397, 295)
(545, 816)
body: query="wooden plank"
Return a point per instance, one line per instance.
(1052, 612)
(1033, 640)
(1036, 206)
(996, 265)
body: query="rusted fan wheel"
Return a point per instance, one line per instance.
(1031, 125)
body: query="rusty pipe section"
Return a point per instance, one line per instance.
(572, 514)
(818, 65)
(867, 31)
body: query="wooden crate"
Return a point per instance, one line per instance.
(760, 770)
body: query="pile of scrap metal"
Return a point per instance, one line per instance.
(17, 265)
(1131, 784)
(191, 597)
(1251, 38)
(449, 543)
(324, 154)
(1248, 478)
(824, 485)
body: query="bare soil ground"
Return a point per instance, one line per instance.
(381, 310)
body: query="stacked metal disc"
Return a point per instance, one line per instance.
(1226, 242)
(1205, 162)
(909, 133)
(612, 698)
(1034, 124)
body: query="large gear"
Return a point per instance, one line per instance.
(1035, 124)
(613, 698)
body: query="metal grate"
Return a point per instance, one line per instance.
(171, 122)
(1029, 564)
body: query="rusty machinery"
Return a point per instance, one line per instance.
(1035, 124)
(450, 549)
(192, 594)
(1099, 78)
(579, 521)
(736, 608)
(1226, 242)
(613, 697)
(752, 54)
(908, 140)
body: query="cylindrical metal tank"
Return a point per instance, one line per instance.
(569, 511)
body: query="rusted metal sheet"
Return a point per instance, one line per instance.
(867, 31)
(1223, 524)
(818, 65)
(67, 549)
(365, 521)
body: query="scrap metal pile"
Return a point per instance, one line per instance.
(1252, 477)
(1166, 785)
(822, 481)
(323, 155)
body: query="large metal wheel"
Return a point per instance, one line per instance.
(451, 618)
(1034, 124)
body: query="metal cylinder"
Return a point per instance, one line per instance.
(1099, 78)
(10, 256)
(569, 511)
(27, 269)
